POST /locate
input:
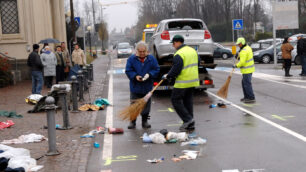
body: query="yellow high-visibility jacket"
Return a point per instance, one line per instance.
(246, 62)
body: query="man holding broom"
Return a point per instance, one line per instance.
(186, 74)
(247, 67)
(141, 69)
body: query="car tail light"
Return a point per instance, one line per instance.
(155, 83)
(165, 35)
(207, 34)
(208, 82)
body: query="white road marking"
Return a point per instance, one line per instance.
(286, 130)
(108, 138)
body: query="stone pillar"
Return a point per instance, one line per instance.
(57, 18)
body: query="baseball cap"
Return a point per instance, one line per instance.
(240, 40)
(177, 38)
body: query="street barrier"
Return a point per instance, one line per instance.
(85, 78)
(50, 108)
(62, 93)
(81, 87)
(74, 84)
(89, 74)
(92, 72)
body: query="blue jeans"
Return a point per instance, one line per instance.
(37, 82)
(303, 63)
(247, 86)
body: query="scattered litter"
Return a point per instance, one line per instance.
(18, 158)
(178, 136)
(96, 145)
(174, 159)
(212, 106)
(221, 105)
(33, 98)
(191, 154)
(157, 138)
(254, 170)
(146, 138)
(164, 132)
(89, 107)
(195, 142)
(6, 124)
(145, 146)
(10, 114)
(192, 135)
(115, 130)
(57, 126)
(30, 138)
(234, 170)
(171, 141)
(91, 134)
(100, 102)
(155, 161)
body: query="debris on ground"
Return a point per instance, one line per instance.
(212, 106)
(194, 142)
(221, 105)
(157, 138)
(33, 98)
(6, 124)
(30, 138)
(115, 130)
(96, 145)
(146, 138)
(155, 161)
(90, 107)
(8, 114)
(91, 134)
(17, 159)
(100, 102)
(182, 136)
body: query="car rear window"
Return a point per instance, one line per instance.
(123, 45)
(186, 25)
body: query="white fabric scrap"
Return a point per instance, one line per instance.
(30, 138)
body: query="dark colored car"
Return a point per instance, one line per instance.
(222, 52)
(267, 55)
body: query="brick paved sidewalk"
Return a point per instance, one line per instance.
(74, 150)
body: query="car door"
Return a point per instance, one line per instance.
(217, 52)
(154, 38)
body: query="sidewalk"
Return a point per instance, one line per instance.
(74, 150)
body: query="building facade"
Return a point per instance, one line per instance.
(26, 22)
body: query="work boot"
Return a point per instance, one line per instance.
(186, 125)
(242, 99)
(287, 72)
(249, 100)
(132, 125)
(145, 124)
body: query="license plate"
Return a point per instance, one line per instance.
(194, 47)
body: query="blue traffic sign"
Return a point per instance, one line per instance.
(78, 21)
(238, 24)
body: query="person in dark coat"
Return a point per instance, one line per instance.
(36, 67)
(141, 69)
(301, 52)
(61, 64)
(286, 55)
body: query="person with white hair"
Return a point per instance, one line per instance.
(141, 69)
(49, 62)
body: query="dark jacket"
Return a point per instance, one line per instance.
(135, 67)
(34, 62)
(301, 47)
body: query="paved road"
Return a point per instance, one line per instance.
(268, 135)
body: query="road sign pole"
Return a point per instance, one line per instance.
(233, 34)
(274, 38)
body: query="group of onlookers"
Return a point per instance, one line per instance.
(50, 65)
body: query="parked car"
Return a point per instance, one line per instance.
(222, 52)
(295, 58)
(267, 55)
(294, 37)
(124, 49)
(264, 44)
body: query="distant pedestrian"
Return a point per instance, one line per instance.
(247, 68)
(61, 64)
(67, 58)
(301, 52)
(286, 55)
(36, 66)
(49, 61)
(43, 48)
(78, 56)
(141, 69)
(185, 71)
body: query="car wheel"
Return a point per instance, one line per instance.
(297, 60)
(266, 59)
(224, 56)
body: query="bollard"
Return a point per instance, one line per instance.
(88, 74)
(85, 78)
(92, 72)
(74, 84)
(62, 96)
(50, 108)
(81, 87)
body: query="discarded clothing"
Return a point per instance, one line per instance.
(115, 130)
(21, 169)
(33, 98)
(6, 124)
(100, 102)
(40, 105)
(3, 163)
(89, 107)
(10, 114)
(30, 138)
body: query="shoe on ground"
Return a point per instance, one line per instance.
(146, 125)
(302, 74)
(249, 101)
(187, 125)
(288, 75)
(242, 100)
(132, 125)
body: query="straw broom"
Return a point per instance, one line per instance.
(224, 89)
(131, 112)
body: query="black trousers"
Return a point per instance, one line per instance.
(146, 111)
(182, 101)
(60, 74)
(49, 80)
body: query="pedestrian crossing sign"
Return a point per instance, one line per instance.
(238, 24)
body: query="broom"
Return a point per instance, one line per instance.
(131, 112)
(224, 89)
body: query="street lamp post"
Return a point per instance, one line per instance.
(89, 37)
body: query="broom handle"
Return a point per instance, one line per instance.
(160, 82)
(234, 64)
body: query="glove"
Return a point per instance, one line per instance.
(164, 77)
(234, 66)
(147, 76)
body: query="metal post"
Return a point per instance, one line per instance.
(50, 108)
(74, 94)
(88, 74)
(92, 72)
(81, 87)
(233, 31)
(85, 78)
(62, 96)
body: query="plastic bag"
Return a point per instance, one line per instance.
(33, 98)
(178, 136)
(195, 142)
(157, 138)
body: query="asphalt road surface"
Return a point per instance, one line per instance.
(266, 136)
